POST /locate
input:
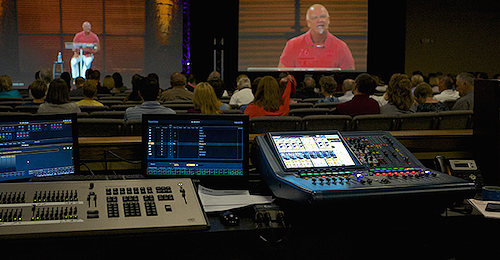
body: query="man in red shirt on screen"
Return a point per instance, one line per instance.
(317, 48)
(85, 36)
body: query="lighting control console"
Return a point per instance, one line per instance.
(94, 207)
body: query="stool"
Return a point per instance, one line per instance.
(56, 73)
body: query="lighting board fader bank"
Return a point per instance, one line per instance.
(323, 166)
(99, 207)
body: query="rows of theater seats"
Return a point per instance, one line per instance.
(105, 126)
(304, 115)
(447, 120)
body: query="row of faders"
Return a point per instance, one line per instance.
(95, 207)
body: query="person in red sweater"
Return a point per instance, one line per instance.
(269, 101)
(361, 103)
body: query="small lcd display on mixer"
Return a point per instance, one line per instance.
(313, 151)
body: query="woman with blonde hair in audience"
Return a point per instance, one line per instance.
(269, 101)
(109, 83)
(6, 90)
(204, 99)
(398, 96)
(90, 92)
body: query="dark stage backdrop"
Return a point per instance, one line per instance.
(33, 32)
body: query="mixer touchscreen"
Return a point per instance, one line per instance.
(312, 151)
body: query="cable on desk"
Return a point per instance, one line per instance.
(88, 168)
(117, 156)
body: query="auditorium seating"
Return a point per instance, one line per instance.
(100, 127)
(417, 121)
(324, 122)
(5, 108)
(301, 105)
(275, 124)
(108, 120)
(449, 120)
(374, 122)
(308, 111)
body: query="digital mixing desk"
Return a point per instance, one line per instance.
(315, 167)
(99, 207)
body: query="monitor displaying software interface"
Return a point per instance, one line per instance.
(199, 146)
(310, 151)
(37, 146)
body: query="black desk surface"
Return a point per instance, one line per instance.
(354, 230)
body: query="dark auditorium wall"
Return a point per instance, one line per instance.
(453, 36)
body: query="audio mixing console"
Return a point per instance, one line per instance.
(323, 166)
(94, 207)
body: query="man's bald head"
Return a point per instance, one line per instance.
(318, 18)
(86, 26)
(316, 7)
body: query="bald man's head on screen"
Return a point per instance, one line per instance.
(318, 19)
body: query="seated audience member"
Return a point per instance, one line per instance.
(382, 88)
(78, 91)
(347, 87)
(446, 85)
(415, 80)
(307, 89)
(96, 75)
(243, 95)
(361, 103)
(6, 90)
(465, 87)
(67, 78)
(178, 90)
(109, 83)
(134, 95)
(57, 100)
(149, 89)
(191, 82)
(46, 76)
(328, 86)
(89, 91)
(205, 101)
(119, 82)
(38, 89)
(398, 96)
(218, 86)
(268, 99)
(215, 75)
(426, 103)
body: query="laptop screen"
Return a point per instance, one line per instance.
(204, 147)
(37, 146)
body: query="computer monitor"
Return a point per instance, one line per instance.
(211, 149)
(311, 151)
(37, 146)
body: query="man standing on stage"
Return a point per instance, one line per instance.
(317, 48)
(85, 36)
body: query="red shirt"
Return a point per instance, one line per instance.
(81, 37)
(359, 105)
(253, 110)
(301, 52)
